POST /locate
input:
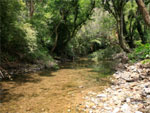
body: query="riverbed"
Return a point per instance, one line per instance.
(54, 91)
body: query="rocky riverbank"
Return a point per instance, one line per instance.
(9, 71)
(130, 92)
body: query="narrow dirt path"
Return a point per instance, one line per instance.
(50, 92)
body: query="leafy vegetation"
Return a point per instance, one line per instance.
(141, 52)
(33, 30)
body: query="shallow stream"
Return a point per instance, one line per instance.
(58, 91)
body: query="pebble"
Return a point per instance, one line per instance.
(125, 108)
(138, 112)
(125, 95)
(80, 86)
(93, 107)
(69, 110)
(116, 110)
(128, 100)
(147, 90)
(86, 106)
(101, 95)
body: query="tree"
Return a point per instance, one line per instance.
(67, 19)
(129, 23)
(116, 8)
(9, 11)
(144, 11)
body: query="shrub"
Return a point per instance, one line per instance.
(141, 52)
(106, 53)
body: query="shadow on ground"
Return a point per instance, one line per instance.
(6, 96)
(47, 73)
(104, 69)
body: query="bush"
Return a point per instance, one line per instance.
(24, 46)
(34, 50)
(38, 54)
(20, 39)
(141, 52)
(24, 40)
(106, 53)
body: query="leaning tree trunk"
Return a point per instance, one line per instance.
(144, 11)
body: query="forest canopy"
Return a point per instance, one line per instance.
(41, 29)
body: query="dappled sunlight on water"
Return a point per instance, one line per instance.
(55, 91)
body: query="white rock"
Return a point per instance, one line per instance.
(93, 107)
(138, 112)
(93, 99)
(86, 98)
(86, 106)
(128, 100)
(147, 90)
(69, 110)
(148, 96)
(90, 111)
(101, 96)
(80, 86)
(125, 108)
(116, 110)
(107, 108)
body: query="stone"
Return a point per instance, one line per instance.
(138, 112)
(43, 109)
(90, 111)
(86, 106)
(129, 94)
(116, 110)
(101, 96)
(128, 100)
(69, 110)
(80, 86)
(93, 107)
(147, 90)
(125, 108)
(49, 64)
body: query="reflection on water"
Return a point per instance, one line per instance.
(56, 89)
(103, 68)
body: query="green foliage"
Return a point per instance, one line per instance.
(38, 54)
(67, 19)
(147, 35)
(19, 38)
(40, 21)
(9, 10)
(141, 52)
(104, 68)
(30, 38)
(106, 53)
(72, 28)
(146, 61)
(96, 34)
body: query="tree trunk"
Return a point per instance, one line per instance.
(56, 38)
(131, 28)
(121, 36)
(140, 31)
(128, 38)
(144, 11)
(31, 8)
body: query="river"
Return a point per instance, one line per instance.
(59, 91)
